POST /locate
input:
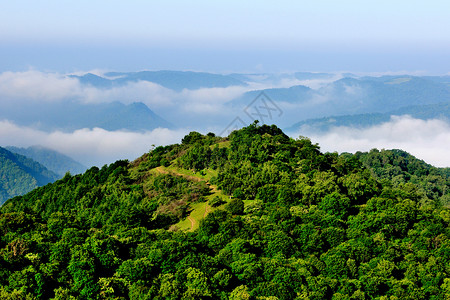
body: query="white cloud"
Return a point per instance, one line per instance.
(40, 86)
(90, 146)
(184, 108)
(22, 87)
(428, 140)
(152, 94)
(208, 100)
(35, 85)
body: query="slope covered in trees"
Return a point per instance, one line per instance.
(296, 224)
(52, 160)
(425, 112)
(20, 174)
(399, 168)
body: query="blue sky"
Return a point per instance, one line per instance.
(226, 36)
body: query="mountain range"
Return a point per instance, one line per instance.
(331, 95)
(24, 169)
(52, 160)
(72, 115)
(174, 80)
(20, 174)
(351, 96)
(424, 112)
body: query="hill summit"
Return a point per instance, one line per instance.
(255, 215)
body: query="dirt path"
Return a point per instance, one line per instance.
(213, 188)
(162, 170)
(207, 210)
(192, 222)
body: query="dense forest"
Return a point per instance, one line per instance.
(51, 159)
(20, 174)
(255, 215)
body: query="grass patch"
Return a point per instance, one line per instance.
(199, 211)
(204, 175)
(225, 144)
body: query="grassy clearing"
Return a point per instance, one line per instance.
(204, 175)
(225, 144)
(193, 220)
(199, 210)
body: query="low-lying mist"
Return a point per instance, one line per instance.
(209, 109)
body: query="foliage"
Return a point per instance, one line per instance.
(301, 225)
(400, 169)
(52, 160)
(20, 174)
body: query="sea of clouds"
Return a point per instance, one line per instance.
(202, 110)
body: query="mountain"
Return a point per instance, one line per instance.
(312, 76)
(298, 93)
(399, 167)
(279, 78)
(52, 160)
(174, 80)
(72, 115)
(441, 79)
(20, 174)
(255, 215)
(353, 96)
(425, 112)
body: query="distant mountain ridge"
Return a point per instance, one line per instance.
(424, 112)
(350, 96)
(20, 174)
(52, 160)
(174, 80)
(72, 115)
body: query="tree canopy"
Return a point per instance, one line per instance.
(294, 223)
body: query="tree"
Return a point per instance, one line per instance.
(236, 206)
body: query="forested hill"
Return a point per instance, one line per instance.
(256, 215)
(51, 159)
(397, 168)
(20, 174)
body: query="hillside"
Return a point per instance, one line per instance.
(52, 160)
(397, 168)
(256, 215)
(20, 174)
(424, 112)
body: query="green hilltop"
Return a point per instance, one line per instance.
(255, 215)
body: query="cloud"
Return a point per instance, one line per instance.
(90, 146)
(311, 83)
(428, 140)
(192, 108)
(40, 86)
(208, 100)
(20, 88)
(35, 85)
(152, 94)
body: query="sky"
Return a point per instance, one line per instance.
(42, 41)
(226, 36)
